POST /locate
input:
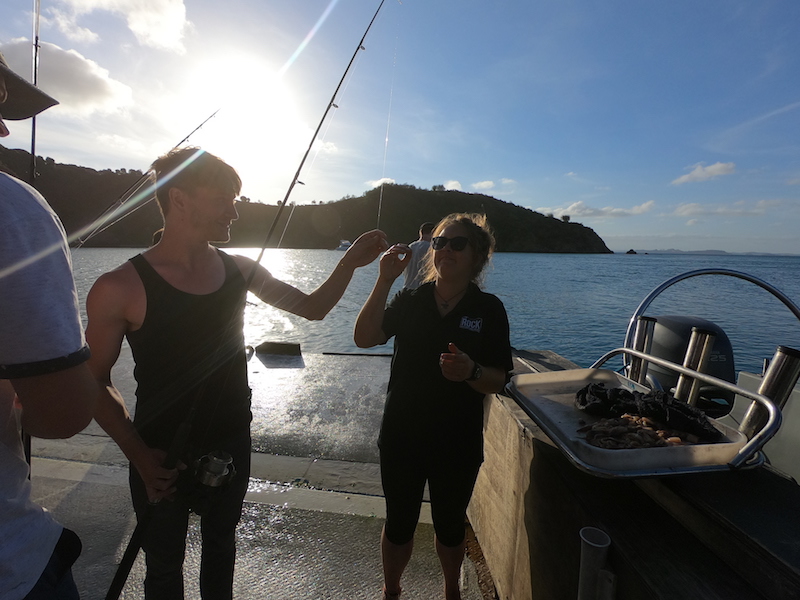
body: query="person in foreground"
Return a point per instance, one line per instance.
(180, 304)
(419, 248)
(44, 381)
(451, 348)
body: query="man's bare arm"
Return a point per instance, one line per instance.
(317, 304)
(107, 306)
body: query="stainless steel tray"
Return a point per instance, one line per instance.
(548, 398)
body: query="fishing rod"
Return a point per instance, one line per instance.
(182, 435)
(26, 438)
(296, 178)
(35, 77)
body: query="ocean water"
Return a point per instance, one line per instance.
(576, 305)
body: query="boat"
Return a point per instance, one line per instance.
(343, 245)
(556, 519)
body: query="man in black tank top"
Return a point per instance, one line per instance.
(180, 304)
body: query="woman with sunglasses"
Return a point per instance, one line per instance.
(451, 348)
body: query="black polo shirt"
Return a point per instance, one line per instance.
(423, 409)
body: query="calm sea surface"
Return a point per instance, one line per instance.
(575, 305)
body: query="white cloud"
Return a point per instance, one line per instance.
(158, 24)
(80, 85)
(582, 210)
(483, 185)
(379, 182)
(505, 181)
(701, 173)
(452, 185)
(737, 209)
(775, 203)
(323, 147)
(795, 181)
(66, 23)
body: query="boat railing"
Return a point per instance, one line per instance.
(634, 327)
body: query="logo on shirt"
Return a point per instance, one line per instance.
(475, 324)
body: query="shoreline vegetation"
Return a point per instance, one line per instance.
(79, 195)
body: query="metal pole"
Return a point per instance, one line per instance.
(697, 353)
(643, 342)
(777, 385)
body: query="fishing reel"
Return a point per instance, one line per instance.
(206, 476)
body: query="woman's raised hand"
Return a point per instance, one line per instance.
(394, 261)
(366, 248)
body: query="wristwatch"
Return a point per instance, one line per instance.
(476, 373)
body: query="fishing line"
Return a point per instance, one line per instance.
(386, 138)
(285, 227)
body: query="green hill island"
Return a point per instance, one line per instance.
(80, 195)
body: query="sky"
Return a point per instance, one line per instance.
(660, 125)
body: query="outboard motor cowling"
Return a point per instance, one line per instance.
(670, 341)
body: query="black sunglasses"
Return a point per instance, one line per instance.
(456, 243)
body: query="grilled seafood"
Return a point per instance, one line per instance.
(633, 431)
(660, 407)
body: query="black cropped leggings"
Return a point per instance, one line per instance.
(450, 484)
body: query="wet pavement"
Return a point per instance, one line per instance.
(293, 543)
(312, 518)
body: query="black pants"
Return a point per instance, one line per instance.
(451, 479)
(165, 539)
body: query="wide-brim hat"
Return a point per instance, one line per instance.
(24, 99)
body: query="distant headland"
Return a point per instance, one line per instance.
(80, 195)
(705, 252)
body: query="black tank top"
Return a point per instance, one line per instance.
(190, 357)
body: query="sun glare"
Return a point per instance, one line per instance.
(257, 129)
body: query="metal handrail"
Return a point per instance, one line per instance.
(758, 440)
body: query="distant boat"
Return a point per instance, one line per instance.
(343, 245)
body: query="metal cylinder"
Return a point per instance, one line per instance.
(777, 385)
(642, 341)
(696, 358)
(214, 468)
(218, 461)
(594, 549)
